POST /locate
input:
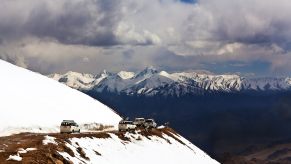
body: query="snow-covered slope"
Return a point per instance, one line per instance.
(32, 102)
(159, 146)
(152, 82)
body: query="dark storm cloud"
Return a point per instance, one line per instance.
(250, 22)
(70, 22)
(92, 22)
(169, 33)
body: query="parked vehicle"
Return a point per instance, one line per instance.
(139, 122)
(150, 123)
(126, 126)
(69, 126)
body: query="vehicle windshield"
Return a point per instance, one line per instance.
(69, 124)
(126, 122)
(65, 124)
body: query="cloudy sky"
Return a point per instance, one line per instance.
(222, 36)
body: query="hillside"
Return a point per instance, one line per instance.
(161, 145)
(277, 152)
(31, 102)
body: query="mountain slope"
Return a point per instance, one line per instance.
(35, 103)
(151, 82)
(158, 146)
(162, 145)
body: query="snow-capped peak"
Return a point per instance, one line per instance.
(164, 73)
(147, 72)
(125, 74)
(75, 79)
(288, 80)
(105, 72)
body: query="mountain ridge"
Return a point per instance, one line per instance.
(150, 82)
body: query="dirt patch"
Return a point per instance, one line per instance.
(11, 144)
(80, 135)
(44, 154)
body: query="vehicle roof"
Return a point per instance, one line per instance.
(68, 121)
(125, 121)
(139, 118)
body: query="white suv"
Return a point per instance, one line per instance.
(126, 126)
(150, 123)
(69, 126)
(139, 122)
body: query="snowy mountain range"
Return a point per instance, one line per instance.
(151, 82)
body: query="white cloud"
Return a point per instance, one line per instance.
(128, 35)
(231, 48)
